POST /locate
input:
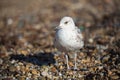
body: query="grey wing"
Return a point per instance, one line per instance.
(80, 37)
(79, 33)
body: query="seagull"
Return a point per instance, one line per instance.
(68, 38)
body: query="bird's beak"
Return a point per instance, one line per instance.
(57, 28)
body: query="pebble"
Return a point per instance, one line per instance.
(44, 73)
(71, 73)
(37, 26)
(20, 63)
(21, 77)
(34, 71)
(27, 78)
(24, 52)
(13, 61)
(9, 21)
(18, 68)
(71, 64)
(2, 55)
(61, 67)
(115, 77)
(91, 40)
(105, 58)
(53, 69)
(1, 61)
(60, 74)
(28, 74)
(12, 68)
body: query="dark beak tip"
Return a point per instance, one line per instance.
(57, 28)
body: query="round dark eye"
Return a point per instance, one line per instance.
(66, 22)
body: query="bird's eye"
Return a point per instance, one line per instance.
(66, 22)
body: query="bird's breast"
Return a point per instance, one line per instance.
(66, 37)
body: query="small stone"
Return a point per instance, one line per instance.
(37, 26)
(88, 24)
(53, 69)
(20, 63)
(110, 72)
(24, 52)
(105, 58)
(27, 78)
(28, 74)
(47, 50)
(60, 74)
(100, 67)
(9, 21)
(115, 77)
(12, 68)
(71, 64)
(82, 54)
(35, 77)
(80, 76)
(44, 73)
(85, 60)
(21, 77)
(13, 61)
(23, 69)
(2, 55)
(27, 69)
(17, 68)
(34, 71)
(61, 68)
(91, 40)
(71, 73)
(1, 61)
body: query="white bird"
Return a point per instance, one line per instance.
(68, 38)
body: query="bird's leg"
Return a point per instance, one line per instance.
(66, 56)
(75, 59)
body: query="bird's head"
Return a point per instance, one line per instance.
(66, 22)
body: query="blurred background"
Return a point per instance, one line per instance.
(27, 34)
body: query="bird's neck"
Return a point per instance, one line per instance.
(69, 28)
